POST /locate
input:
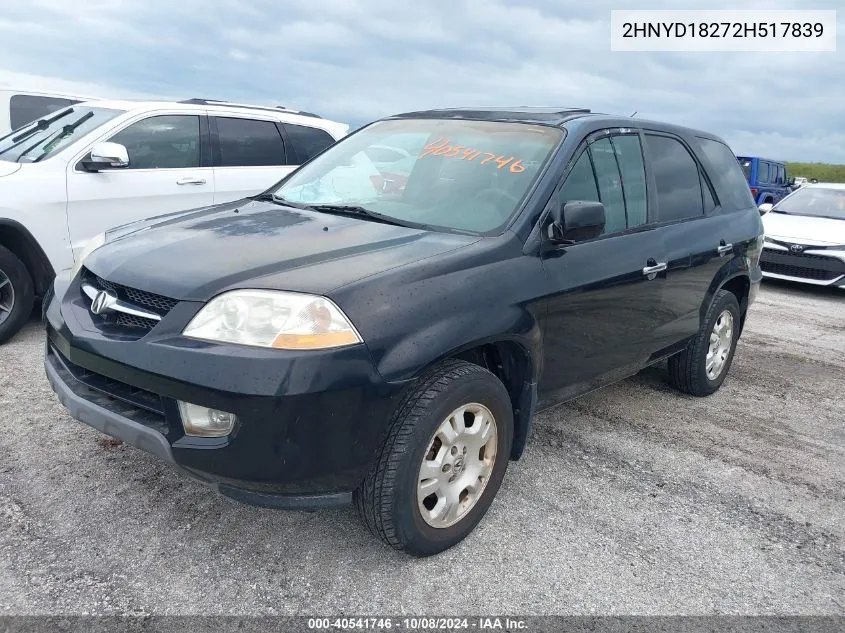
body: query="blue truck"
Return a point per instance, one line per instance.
(767, 178)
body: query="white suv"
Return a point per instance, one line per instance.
(71, 175)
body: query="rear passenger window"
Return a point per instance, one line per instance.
(307, 141)
(763, 172)
(727, 175)
(249, 143)
(25, 109)
(677, 178)
(610, 185)
(629, 155)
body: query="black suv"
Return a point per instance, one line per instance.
(382, 324)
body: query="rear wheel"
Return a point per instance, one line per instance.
(702, 367)
(442, 462)
(16, 294)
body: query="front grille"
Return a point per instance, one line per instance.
(801, 265)
(148, 300)
(139, 405)
(156, 303)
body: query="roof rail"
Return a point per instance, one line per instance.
(229, 104)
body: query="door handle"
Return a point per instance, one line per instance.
(191, 181)
(653, 270)
(724, 249)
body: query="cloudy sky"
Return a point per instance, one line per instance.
(356, 60)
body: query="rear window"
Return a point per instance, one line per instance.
(727, 175)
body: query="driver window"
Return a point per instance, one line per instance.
(162, 142)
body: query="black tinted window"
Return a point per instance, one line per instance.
(580, 184)
(763, 172)
(249, 143)
(162, 142)
(781, 175)
(677, 177)
(307, 141)
(629, 155)
(727, 175)
(24, 109)
(610, 185)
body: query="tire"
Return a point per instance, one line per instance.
(688, 370)
(16, 293)
(388, 499)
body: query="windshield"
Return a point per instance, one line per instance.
(814, 201)
(746, 168)
(41, 139)
(452, 174)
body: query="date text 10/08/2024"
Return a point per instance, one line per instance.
(418, 623)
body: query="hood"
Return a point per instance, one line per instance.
(198, 254)
(7, 168)
(804, 229)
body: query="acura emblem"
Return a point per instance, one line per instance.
(796, 248)
(102, 302)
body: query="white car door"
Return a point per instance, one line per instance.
(249, 155)
(169, 170)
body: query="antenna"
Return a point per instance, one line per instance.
(635, 112)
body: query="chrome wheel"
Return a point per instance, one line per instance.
(7, 296)
(457, 465)
(721, 340)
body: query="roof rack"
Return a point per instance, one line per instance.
(229, 104)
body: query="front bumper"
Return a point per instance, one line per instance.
(309, 425)
(819, 266)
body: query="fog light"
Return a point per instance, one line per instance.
(204, 422)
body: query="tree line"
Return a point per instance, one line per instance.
(823, 172)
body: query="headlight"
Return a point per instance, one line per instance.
(93, 244)
(273, 318)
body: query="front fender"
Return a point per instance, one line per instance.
(421, 348)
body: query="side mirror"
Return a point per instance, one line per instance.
(576, 221)
(765, 208)
(792, 181)
(107, 155)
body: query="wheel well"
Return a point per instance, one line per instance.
(740, 287)
(511, 364)
(18, 240)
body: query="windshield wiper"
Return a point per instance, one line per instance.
(360, 212)
(272, 197)
(66, 131)
(39, 126)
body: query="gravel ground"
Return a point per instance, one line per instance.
(632, 500)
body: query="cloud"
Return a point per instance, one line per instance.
(355, 61)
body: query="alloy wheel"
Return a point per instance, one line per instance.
(457, 465)
(7, 297)
(721, 340)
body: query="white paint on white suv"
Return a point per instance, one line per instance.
(92, 165)
(181, 156)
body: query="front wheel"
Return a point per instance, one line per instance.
(16, 294)
(443, 460)
(702, 367)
